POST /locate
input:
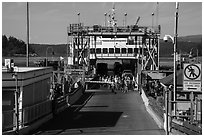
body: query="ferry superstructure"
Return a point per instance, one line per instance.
(91, 45)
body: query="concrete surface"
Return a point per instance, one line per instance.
(105, 113)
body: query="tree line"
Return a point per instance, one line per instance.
(12, 46)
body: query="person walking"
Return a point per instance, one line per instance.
(125, 86)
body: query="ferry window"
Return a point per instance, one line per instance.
(98, 51)
(130, 50)
(105, 50)
(92, 51)
(135, 50)
(140, 50)
(117, 50)
(111, 50)
(123, 50)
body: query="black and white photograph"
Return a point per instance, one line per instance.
(101, 67)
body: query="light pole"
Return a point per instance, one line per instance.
(46, 53)
(78, 17)
(152, 21)
(174, 40)
(125, 19)
(105, 14)
(175, 71)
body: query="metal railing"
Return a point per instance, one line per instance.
(76, 28)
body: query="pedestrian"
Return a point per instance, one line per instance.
(112, 87)
(125, 86)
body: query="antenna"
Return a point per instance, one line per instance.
(113, 21)
(157, 14)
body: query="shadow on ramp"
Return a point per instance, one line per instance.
(84, 119)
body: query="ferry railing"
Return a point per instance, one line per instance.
(76, 28)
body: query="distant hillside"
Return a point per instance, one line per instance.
(59, 50)
(185, 44)
(12, 46)
(166, 48)
(191, 38)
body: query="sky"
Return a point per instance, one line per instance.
(49, 20)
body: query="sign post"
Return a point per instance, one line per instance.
(192, 82)
(192, 77)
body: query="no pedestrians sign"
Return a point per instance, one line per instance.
(192, 77)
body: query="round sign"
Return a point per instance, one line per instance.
(192, 72)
